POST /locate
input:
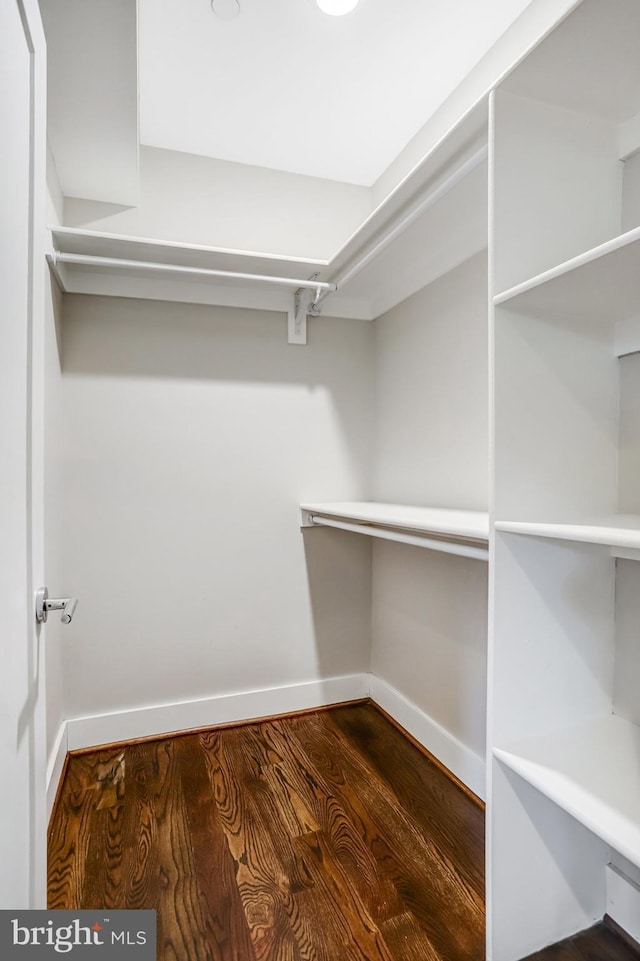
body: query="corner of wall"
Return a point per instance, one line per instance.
(55, 765)
(55, 197)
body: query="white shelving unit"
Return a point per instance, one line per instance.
(601, 284)
(592, 773)
(463, 525)
(617, 531)
(564, 729)
(451, 531)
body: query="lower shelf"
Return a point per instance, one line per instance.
(593, 773)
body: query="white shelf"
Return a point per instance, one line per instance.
(73, 240)
(451, 531)
(614, 530)
(593, 773)
(468, 525)
(602, 283)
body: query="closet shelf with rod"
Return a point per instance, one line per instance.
(360, 280)
(460, 532)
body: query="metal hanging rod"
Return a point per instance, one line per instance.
(87, 260)
(422, 205)
(448, 547)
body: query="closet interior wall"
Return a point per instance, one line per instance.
(53, 487)
(190, 435)
(431, 449)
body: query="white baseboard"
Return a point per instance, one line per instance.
(84, 732)
(623, 901)
(55, 766)
(456, 756)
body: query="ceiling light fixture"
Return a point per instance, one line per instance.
(337, 8)
(225, 9)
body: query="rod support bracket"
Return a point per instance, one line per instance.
(305, 304)
(307, 519)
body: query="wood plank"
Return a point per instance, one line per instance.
(449, 911)
(70, 832)
(105, 851)
(599, 943)
(352, 851)
(421, 789)
(433, 760)
(225, 923)
(261, 879)
(181, 925)
(407, 940)
(292, 867)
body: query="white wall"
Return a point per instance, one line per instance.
(629, 435)
(197, 200)
(431, 412)
(429, 629)
(53, 479)
(429, 619)
(52, 487)
(627, 664)
(92, 101)
(631, 193)
(190, 436)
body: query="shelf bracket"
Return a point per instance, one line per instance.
(305, 304)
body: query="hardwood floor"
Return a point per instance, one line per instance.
(323, 837)
(597, 944)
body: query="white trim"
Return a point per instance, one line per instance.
(79, 733)
(55, 766)
(623, 901)
(456, 756)
(161, 719)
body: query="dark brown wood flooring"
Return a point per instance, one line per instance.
(599, 943)
(321, 837)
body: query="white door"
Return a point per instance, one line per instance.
(22, 184)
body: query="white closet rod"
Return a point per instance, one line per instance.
(448, 547)
(87, 260)
(416, 211)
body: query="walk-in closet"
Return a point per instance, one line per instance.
(343, 475)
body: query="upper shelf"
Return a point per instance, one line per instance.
(427, 225)
(75, 240)
(592, 772)
(600, 284)
(451, 531)
(615, 530)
